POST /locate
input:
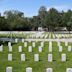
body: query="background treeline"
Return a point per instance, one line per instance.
(52, 19)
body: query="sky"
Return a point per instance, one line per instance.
(31, 7)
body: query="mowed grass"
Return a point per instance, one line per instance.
(20, 66)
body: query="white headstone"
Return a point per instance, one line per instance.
(30, 49)
(69, 48)
(22, 40)
(20, 48)
(9, 57)
(25, 44)
(49, 35)
(22, 57)
(50, 58)
(29, 69)
(50, 46)
(1, 48)
(16, 40)
(58, 43)
(49, 70)
(53, 36)
(60, 48)
(33, 44)
(8, 69)
(42, 44)
(50, 43)
(10, 48)
(40, 49)
(66, 43)
(63, 57)
(9, 43)
(69, 70)
(36, 57)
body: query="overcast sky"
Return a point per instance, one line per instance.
(31, 7)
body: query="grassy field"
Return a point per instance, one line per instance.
(20, 66)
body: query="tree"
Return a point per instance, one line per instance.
(69, 25)
(42, 15)
(3, 24)
(13, 17)
(52, 19)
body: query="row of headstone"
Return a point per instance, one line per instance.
(10, 57)
(30, 49)
(61, 49)
(50, 57)
(66, 44)
(25, 43)
(36, 57)
(33, 44)
(29, 69)
(40, 48)
(62, 35)
(49, 35)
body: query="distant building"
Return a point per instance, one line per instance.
(40, 29)
(60, 29)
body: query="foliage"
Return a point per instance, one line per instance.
(51, 19)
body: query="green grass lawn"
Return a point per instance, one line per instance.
(20, 66)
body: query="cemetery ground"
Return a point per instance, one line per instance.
(51, 54)
(42, 64)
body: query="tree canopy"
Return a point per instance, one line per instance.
(14, 20)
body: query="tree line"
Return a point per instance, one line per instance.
(14, 20)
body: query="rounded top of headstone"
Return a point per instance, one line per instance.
(9, 67)
(28, 68)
